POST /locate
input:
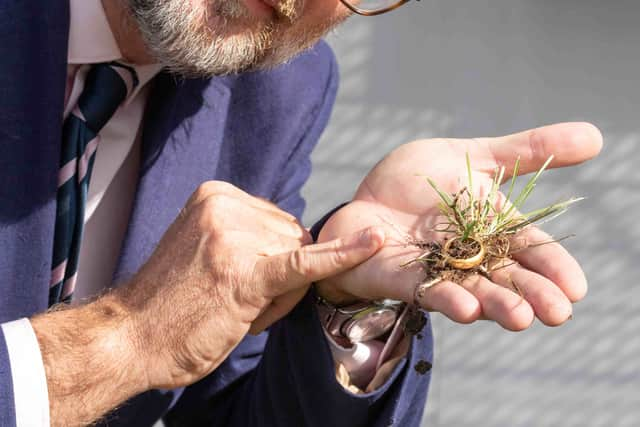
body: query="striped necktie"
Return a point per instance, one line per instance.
(107, 85)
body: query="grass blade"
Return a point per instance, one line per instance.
(444, 196)
(528, 188)
(470, 187)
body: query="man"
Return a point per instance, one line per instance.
(199, 263)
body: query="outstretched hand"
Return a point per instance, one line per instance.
(394, 195)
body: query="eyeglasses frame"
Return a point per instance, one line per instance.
(364, 12)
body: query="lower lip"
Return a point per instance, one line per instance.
(271, 3)
(261, 7)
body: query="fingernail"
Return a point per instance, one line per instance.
(365, 236)
(372, 234)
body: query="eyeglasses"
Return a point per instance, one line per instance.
(373, 7)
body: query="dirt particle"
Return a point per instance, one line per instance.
(463, 248)
(416, 321)
(422, 367)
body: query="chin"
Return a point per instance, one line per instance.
(231, 36)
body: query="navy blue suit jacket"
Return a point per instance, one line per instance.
(255, 130)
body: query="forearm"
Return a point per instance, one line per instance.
(90, 360)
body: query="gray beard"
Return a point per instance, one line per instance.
(187, 43)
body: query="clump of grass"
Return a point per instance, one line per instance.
(480, 231)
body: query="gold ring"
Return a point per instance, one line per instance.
(464, 263)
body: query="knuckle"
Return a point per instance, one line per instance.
(217, 203)
(222, 187)
(214, 210)
(539, 145)
(301, 263)
(339, 256)
(267, 202)
(204, 190)
(205, 220)
(211, 188)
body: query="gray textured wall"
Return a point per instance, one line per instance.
(489, 67)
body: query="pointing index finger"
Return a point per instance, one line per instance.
(315, 262)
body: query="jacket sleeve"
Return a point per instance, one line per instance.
(293, 384)
(291, 380)
(7, 408)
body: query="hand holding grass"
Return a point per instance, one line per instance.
(394, 195)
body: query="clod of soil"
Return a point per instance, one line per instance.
(461, 249)
(415, 321)
(422, 367)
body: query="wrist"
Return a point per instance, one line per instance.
(89, 359)
(330, 293)
(121, 336)
(324, 288)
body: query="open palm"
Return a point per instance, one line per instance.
(395, 197)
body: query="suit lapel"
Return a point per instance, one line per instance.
(32, 77)
(182, 138)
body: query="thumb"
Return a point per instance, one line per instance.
(568, 143)
(292, 270)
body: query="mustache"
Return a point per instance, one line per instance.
(285, 10)
(290, 10)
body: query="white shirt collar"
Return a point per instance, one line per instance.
(91, 40)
